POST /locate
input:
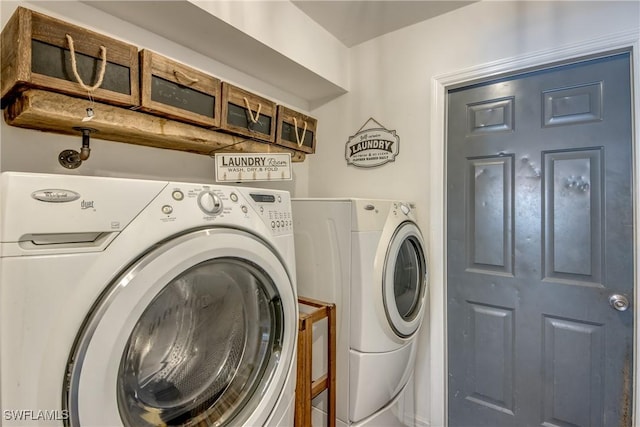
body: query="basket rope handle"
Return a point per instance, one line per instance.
(74, 66)
(253, 119)
(179, 74)
(304, 131)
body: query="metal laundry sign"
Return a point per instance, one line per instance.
(373, 145)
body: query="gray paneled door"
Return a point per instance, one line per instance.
(539, 237)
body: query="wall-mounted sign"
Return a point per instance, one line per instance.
(372, 145)
(253, 167)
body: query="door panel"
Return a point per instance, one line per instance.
(493, 357)
(539, 235)
(569, 382)
(572, 216)
(490, 217)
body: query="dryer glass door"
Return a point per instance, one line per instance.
(405, 281)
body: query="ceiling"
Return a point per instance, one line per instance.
(351, 22)
(356, 21)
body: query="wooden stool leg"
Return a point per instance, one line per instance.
(303, 384)
(331, 374)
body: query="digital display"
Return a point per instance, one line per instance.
(263, 198)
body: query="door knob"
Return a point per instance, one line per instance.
(619, 302)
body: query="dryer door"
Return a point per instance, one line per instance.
(405, 280)
(199, 331)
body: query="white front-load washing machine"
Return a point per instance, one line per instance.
(145, 303)
(367, 257)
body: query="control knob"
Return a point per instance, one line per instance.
(209, 203)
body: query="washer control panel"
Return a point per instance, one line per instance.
(275, 210)
(220, 203)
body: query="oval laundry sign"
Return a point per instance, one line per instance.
(373, 146)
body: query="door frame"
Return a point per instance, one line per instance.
(437, 245)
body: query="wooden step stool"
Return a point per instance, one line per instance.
(307, 388)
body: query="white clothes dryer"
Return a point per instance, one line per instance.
(144, 303)
(367, 257)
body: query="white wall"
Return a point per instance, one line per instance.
(392, 81)
(33, 151)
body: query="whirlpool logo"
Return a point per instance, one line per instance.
(55, 195)
(58, 195)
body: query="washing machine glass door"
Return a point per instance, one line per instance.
(201, 346)
(191, 334)
(405, 280)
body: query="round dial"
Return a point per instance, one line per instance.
(209, 203)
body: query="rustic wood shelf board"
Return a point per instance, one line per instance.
(58, 113)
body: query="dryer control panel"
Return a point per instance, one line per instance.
(402, 208)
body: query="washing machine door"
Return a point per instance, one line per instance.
(405, 280)
(199, 331)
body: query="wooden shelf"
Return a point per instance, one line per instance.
(308, 388)
(57, 113)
